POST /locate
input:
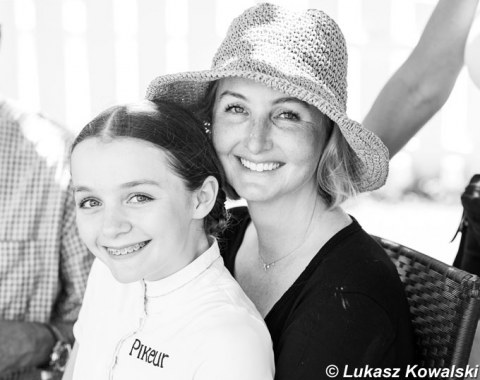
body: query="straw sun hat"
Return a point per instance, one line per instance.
(302, 54)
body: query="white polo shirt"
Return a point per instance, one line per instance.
(195, 324)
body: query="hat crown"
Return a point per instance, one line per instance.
(303, 47)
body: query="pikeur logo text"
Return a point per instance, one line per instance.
(148, 354)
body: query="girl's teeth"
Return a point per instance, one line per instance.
(259, 167)
(127, 250)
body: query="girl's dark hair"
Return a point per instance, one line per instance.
(177, 132)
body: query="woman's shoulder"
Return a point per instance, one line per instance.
(354, 275)
(355, 262)
(353, 249)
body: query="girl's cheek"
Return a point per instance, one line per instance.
(86, 227)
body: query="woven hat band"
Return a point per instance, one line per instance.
(274, 78)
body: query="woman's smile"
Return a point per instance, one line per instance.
(260, 166)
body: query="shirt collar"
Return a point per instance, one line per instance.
(185, 275)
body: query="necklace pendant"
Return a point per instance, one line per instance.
(267, 266)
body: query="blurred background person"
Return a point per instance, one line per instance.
(423, 83)
(43, 264)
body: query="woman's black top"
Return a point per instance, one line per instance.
(347, 308)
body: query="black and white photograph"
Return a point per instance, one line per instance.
(239, 190)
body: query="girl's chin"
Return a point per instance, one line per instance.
(125, 278)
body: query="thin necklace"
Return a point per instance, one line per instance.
(267, 266)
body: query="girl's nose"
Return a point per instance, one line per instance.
(259, 138)
(115, 223)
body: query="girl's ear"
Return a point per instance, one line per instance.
(205, 197)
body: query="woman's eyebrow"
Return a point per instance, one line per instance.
(231, 93)
(284, 99)
(290, 99)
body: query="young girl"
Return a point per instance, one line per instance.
(159, 301)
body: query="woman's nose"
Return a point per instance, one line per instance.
(115, 223)
(259, 137)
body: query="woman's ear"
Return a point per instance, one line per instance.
(205, 197)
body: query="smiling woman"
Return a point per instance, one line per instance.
(275, 103)
(159, 302)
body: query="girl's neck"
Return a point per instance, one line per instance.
(196, 242)
(202, 243)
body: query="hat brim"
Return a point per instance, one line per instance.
(189, 89)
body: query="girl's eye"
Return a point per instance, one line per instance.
(139, 198)
(233, 108)
(89, 203)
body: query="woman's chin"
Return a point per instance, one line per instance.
(257, 193)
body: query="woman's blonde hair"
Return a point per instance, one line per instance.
(337, 177)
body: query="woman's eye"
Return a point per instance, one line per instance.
(139, 198)
(89, 203)
(235, 109)
(288, 115)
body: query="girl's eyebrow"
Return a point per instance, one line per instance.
(79, 189)
(140, 182)
(126, 185)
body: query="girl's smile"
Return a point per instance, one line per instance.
(128, 249)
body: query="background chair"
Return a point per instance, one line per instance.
(444, 303)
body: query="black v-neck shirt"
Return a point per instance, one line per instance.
(347, 307)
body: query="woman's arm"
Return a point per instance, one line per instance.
(68, 374)
(421, 86)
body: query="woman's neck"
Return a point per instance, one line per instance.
(286, 225)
